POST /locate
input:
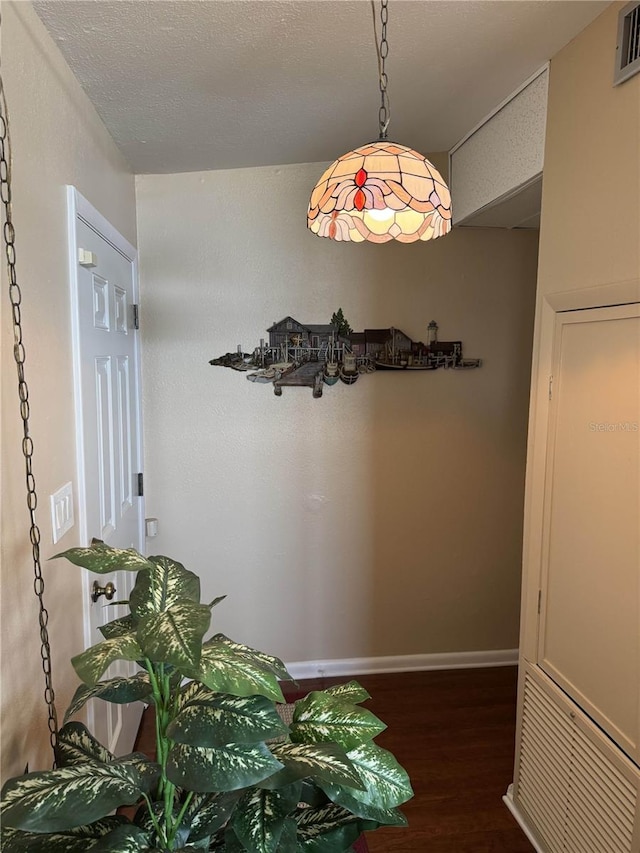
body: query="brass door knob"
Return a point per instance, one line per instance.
(108, 590)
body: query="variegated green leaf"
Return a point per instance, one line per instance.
(56, 800)
(217, 843)
(321, 717)
(166, 583)
(76, 745)
(344, 797)
(216, 601)
(225, 671)
(91, 663)
(175, 635)
(386, 783)
(77, 840)
(349, 692)
(329, 829)
(213, 719)
(118, 627)
(318, 761)
(118, 690)
(232, 843)
(225, 769)
(144, 820)
(260, 817)
(289, 837)
(102, 559)
(269, 662)
(123, 839)
(312, 794)
(207, 813)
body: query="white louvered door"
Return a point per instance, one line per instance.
(577, 773)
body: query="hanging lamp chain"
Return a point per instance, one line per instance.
(382, 51)
(15, 297)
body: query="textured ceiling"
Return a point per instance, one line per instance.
(217, 84)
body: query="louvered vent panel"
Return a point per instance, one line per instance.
(602, 802)
(628, 43)
(577, 799)
(632, 46)
(545, 758)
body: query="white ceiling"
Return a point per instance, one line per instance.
(216, 84)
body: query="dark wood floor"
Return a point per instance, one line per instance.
(454, 732)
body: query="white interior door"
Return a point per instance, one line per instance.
(107, 383)
(589, 639)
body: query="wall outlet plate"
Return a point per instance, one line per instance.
(62, 511)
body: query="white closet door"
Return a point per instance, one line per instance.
(106, 358)
(589, 636)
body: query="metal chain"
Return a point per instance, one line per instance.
(15, 297)
(382, 51)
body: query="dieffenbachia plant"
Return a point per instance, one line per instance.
(229, 776)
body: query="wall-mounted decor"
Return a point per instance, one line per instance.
(314, 355)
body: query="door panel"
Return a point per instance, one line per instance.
(123, 385)
(589, 638)
(106, 360)
(104, 447)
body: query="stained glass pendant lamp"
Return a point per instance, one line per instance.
(381, 191)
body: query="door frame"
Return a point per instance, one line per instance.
(78, 207)
(563, 319)
(549, 305)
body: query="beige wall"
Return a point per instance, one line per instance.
(590, 229)
(589, 237)
(384, 518)
(589, 257)
(57, 139)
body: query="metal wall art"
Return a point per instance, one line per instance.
(314, 355)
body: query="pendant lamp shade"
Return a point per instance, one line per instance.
(382, 191)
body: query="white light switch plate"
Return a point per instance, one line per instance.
(62, 511)
(87, 258)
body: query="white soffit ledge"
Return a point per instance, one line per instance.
(517, 209)
(503, 153)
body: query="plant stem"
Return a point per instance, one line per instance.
(160, 684)
(181, 814)
(164, 683)
(159, 829)
(157, 698)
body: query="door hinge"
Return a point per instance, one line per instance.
(136, 316)
(140, 485)
(539, 600)
(550, 387)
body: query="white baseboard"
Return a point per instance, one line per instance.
(402, 663)
(515, 811)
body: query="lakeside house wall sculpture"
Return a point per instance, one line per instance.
(313, 355)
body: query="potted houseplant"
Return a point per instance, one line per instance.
(229, 775)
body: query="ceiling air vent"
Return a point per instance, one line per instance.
(628, 46)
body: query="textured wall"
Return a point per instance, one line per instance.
(589, 236)
(590, 229)
(382, 519)
(57, 139)
(504, 153)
